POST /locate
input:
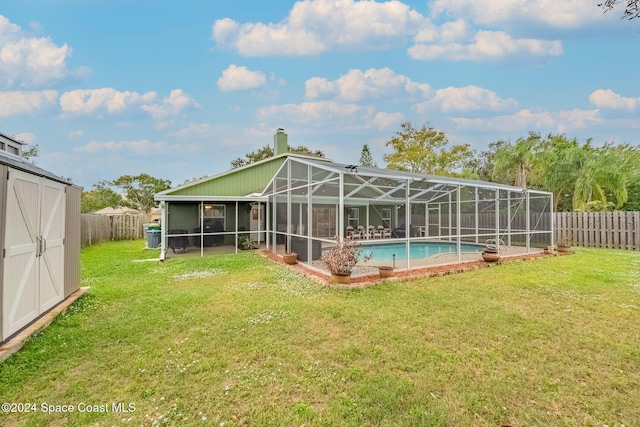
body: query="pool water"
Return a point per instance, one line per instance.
(419, 250)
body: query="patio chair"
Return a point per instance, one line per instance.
(349, 231)
(386, 233)
(377, 232)
(370, 231)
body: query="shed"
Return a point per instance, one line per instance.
(39, 239)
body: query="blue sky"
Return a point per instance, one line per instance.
(178, 89)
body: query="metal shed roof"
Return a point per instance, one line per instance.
(23, 165)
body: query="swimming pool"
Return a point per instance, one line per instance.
(419, 250)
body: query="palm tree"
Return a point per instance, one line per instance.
(518, 161)
(603, 177)
(562, 161)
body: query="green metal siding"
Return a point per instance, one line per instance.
(234, 183)
(183, 216)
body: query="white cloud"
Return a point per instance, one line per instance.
(319, 114)
(194, 130)
(26, 102)
(609, 99)
(240, 78)
(142, 146)
(316, 26)
(383, 120)
(373, 83)
(26, 137)
(468, 98)
(563, 14)
(174, 104)
(87, 101)
(527, 120)
(76, 133)
(32, 61)
(487, 45)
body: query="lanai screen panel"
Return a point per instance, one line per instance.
(541, 219)
(313, 201)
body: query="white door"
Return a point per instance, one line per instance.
(20, 278)
(33, 273)
(256, 223)
(52, 215)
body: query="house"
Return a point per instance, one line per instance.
(299, 203)
(39, 239)
(111, 211)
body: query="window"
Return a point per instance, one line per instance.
(214, 215)
(386, 217)
(353, 217)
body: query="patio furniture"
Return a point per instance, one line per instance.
(178, 244)
(208, 240)
(349, 231)
(399, 232)
(299, 246)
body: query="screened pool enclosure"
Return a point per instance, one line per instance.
(300, 203)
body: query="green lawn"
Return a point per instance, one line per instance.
(240, 340)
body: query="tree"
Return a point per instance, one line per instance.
(252, 157)
(100, 197)
(481, 165)
(140, 190)
(30, 151)
(603, 177)
(366, 159)
(425, 150)
(517, 161)
(633, 200)
(561, 161)
(631, 11)
(267, 151)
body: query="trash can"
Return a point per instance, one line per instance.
(153, 238)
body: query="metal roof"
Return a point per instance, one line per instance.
(19, 163)
(257, 187)
(245, 182)
(402, 175)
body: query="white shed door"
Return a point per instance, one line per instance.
(20, 295)
(33, 262)
(52, 246)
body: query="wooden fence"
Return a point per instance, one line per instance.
(99, 228)
(617, 230)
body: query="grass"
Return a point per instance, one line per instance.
(240, 340)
